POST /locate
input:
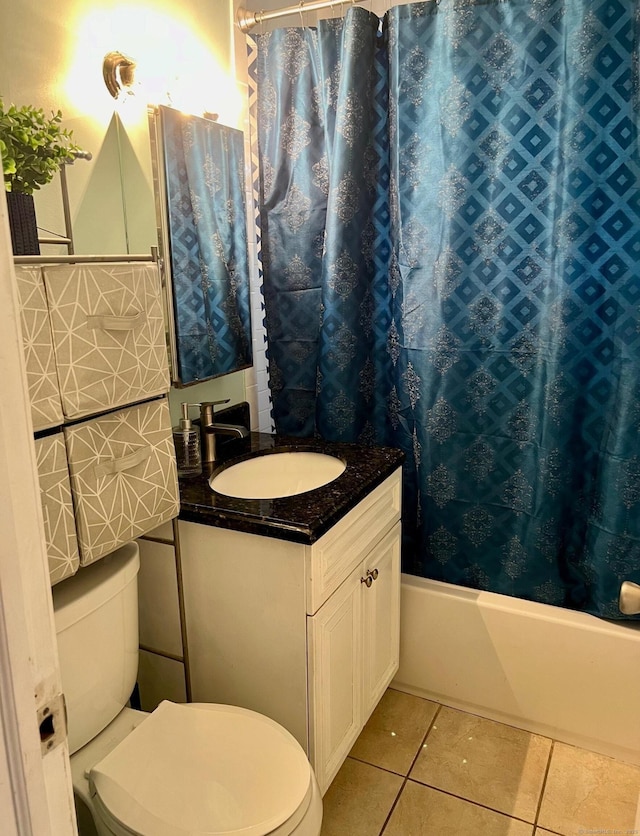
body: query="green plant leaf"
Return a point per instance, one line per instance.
(34, 147)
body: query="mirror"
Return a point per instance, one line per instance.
(201, 215)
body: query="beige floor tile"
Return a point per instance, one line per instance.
(392, 737)
(590, 793)
(486, 762)
(359, 800)
(422, 811)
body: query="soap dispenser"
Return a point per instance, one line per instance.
(186, 439)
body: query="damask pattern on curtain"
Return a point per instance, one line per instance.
(514, 339)
(325, 226)
(204, 170)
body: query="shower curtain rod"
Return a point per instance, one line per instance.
(84, 259)
(246, 19)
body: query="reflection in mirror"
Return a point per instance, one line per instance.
(200, 207)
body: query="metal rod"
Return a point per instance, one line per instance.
(164, 239)
(52, 240)
(64, 188)
(83, 259)
(246, 19)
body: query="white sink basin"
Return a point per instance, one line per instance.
(277, 474)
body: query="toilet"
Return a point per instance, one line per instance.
(185, 769)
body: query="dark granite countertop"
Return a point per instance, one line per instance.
(303, 518)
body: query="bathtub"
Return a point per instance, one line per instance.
(555, 672)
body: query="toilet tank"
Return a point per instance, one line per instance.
(96, 618)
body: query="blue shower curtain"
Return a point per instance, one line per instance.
(504, 255)
(322, 104)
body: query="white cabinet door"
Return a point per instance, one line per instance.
(381, 620)
(334, 642)
(354, 644)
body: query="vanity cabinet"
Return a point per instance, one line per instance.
(306, 633)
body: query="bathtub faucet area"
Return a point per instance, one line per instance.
(629, 602)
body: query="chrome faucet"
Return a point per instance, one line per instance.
(209, 429)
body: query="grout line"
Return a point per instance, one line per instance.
(181, 610)
(407, 778)
(475, 803)
(377, 766)
(534, 824)
(544, 782)
(164, 653)
(431, 725)
(411, 765)
(164, 541)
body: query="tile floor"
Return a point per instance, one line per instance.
(423, 769)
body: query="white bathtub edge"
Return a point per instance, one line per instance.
(554, 672)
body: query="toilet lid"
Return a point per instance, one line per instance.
(203, 770)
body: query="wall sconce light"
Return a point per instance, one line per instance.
(159, 87)
(118, 73)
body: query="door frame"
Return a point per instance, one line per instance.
(36, 795)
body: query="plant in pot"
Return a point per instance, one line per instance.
(34, 147)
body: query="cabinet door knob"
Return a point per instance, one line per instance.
(370, 577)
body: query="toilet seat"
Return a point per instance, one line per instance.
(203, 770)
